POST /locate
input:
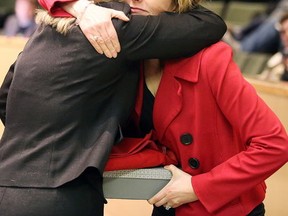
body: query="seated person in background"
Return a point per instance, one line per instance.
(22, 22)
(277, 66)
(264, 38)
(284, 76)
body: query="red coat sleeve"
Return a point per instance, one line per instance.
(53, 7)
(136, 153)
(267, 144)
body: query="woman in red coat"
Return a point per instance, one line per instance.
(226, 139)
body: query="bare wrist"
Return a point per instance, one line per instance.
(77, 8)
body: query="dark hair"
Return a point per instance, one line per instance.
(285, 53)
(284, 17)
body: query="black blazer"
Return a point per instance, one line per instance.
(65, 105)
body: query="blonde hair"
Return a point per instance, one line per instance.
(184, 5)
(62, 25)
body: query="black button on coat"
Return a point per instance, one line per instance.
(186, 139)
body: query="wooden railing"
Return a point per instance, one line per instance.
(10, 47)
(275, 94)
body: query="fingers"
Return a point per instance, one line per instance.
(120, 15)
(106, 42)
(109, 42)
(93, 40)
(166, 198)
(171, 168)
(163, 199)
(163, 202)
(174, 193)
(156, 200)
(114, 42)
(97, 26)
(106, 46)
(159, 199)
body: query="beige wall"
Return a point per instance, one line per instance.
(277, 99)
(9, 50)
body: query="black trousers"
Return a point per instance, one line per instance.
(75, 198)
(161, 211)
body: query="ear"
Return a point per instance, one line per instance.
(174, 6)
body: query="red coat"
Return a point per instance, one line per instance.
(223, 134)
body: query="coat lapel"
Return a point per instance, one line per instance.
(169, 97)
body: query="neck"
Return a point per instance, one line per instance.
(153, 72)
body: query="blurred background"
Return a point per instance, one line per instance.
(254, 32)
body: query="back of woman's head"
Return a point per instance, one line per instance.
(284, 17)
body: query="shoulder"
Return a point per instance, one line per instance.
(218, 50)
(209, 63)
(216, 58)
(12, 19)
(216, 62)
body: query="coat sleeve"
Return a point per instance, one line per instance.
(4, 92)
(53, 7)
(169, 35)
(259, 129)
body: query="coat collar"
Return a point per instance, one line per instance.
(185, 68)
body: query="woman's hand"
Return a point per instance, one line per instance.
(96, 24)
(177, 192)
